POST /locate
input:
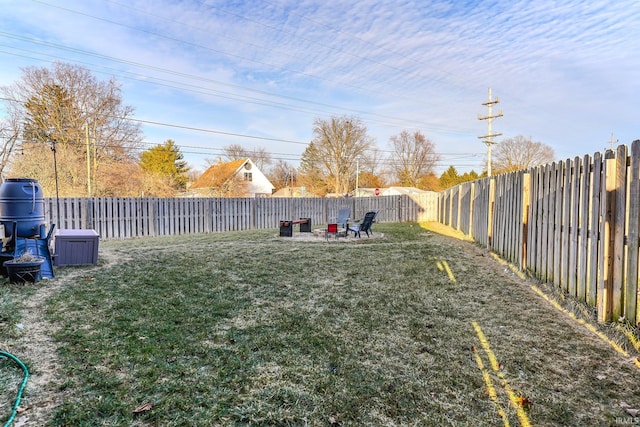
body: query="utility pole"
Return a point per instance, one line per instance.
(612, 142)
(488, 138)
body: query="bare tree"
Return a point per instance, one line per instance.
(234, 152)
(282, 174)
(84, 119)
(371, 172)
(231, 187)
(413, 156)
(334, 150)
(8, 138)
(520, 152)
(259, 156)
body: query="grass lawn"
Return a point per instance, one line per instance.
(249, 328)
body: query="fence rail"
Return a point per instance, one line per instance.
(574, 223)
(124, 218)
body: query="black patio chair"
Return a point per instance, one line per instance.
(364, 225)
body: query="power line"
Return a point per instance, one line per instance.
(262, 47)
(109, 21)
(217, 131)
(367, 90)
(199, 89)
(367, 42)
(289, 157)
(234, 134)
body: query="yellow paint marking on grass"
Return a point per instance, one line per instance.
(487, 349)
(512, 267)
(449, 272)
(522, 415)
(554, 303)
(633, 339)
(490, 388)
(498, 259)
(606, 339)
(444, 266)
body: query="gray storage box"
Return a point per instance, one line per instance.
(76, 247)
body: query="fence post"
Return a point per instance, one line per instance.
(253, 222)
(472, 196)
(631, 286)
(490, 205)
(618, 283)
(607, 211)
(89, 213)
(460, 200)
(526, 201)
(595, 223)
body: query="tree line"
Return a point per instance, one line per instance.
(66, 113)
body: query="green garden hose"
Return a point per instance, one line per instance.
(4, 354)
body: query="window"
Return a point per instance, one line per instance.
(248, 176)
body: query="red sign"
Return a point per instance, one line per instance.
(377, 191)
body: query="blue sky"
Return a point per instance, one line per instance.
(212, 73)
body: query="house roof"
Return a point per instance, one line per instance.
(218, 173)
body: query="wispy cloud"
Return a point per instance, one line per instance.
(565, 71)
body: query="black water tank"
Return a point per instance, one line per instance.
(21, 202)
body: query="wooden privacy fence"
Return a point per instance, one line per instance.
(122, 218)
(574, 223)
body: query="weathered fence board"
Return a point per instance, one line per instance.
(574, 223)
(596, 229)
(557, 224)
(125, 218)
(583, 230)
(574, 213)
(631, 276)
(620, 246)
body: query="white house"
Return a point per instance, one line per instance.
(238, 178)
(398, 191)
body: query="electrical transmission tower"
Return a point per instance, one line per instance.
(488, 138)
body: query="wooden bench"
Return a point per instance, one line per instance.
(286, 227)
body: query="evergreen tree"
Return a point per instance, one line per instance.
(449, 178)
(166, 160)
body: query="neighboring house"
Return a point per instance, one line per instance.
(293, 192)
(238, 178)
(399, 191)
(367, 192)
